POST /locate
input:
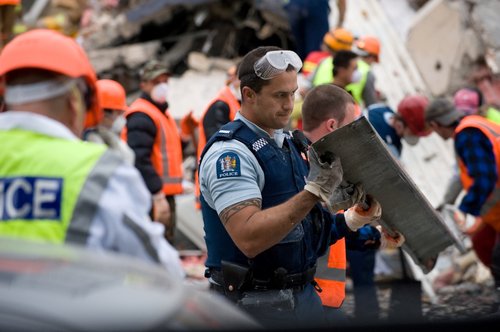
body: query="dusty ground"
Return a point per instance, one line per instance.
(465, 301)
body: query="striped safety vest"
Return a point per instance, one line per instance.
(490, 212)
(50, 187)
(331, 275)
(166, 155)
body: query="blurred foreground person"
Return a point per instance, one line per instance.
(53, 187)
(112, 100)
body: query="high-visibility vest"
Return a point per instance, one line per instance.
(493, 114)
(331, 275)
(225, 95)
(356, 89)
(50, 187)
(490, 211)
(166, 155)
(323, 73)
(312, 61)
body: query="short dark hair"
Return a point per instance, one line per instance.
(342, 60)
(324, 102)
(246, 72)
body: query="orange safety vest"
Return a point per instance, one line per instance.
(331, 275)
(490, 211)
(225, 95)
(166, 156)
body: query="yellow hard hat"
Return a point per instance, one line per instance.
(338, 40)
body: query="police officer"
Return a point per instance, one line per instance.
(55, 188)
(263, 220)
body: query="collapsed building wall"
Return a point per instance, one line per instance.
(450, 40)
(120, 39)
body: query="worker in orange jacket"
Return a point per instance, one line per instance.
(221, 110)
(477, 147)
(152, 133)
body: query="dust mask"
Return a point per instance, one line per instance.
(159, 93)
(118, 124)
(356, 76)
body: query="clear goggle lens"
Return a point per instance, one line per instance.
(275, 63)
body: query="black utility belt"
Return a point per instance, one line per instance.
(296, 281)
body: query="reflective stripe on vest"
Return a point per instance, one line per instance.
(331, 275)
(87, 203)
(356, 89)
(490, 211)
(42, 183)
(166, 155)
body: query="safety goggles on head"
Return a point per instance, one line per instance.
(274, 63)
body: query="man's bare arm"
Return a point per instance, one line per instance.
(254, 230)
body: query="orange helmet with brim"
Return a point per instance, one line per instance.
(369, 45)
(111, 95)
(52, 51)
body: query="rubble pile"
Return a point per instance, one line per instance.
(120, 36)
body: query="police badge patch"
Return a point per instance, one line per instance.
(228, 165)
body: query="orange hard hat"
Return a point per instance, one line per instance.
(52, 51)
(412, 110)
(369, 45)
(111, 95)
(338, 40)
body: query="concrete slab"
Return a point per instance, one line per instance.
(366, 160)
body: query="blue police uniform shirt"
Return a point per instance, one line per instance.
(380, 117)
(232, 159)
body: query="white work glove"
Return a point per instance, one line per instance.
(324, 177)
(390, 242)
(345, 196)
(357, 216)
(467, 223)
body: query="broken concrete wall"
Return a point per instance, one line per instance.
(444, 44)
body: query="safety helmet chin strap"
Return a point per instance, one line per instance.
(27, 93)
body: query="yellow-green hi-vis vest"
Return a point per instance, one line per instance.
(323, 73)
(50, 187)
(356, 89)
